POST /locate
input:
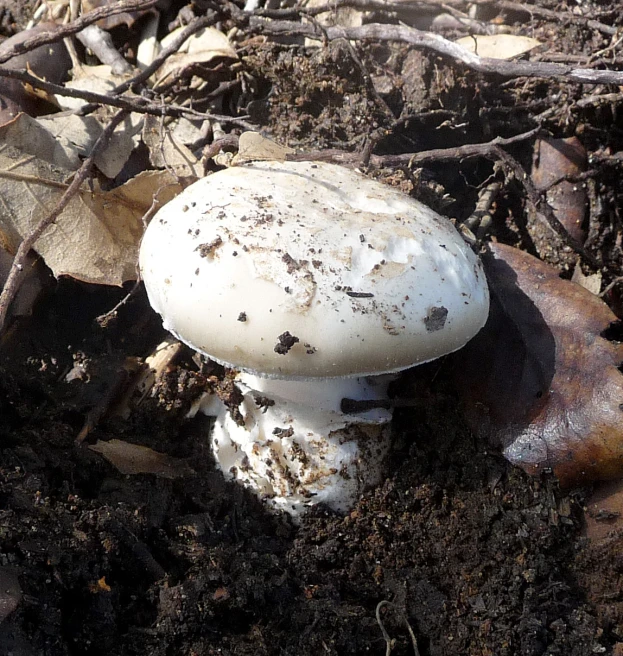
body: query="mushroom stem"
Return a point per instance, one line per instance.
(296, 448)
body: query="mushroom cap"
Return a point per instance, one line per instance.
(304, 270)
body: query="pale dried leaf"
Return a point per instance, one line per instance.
(62, 139)
(98, 79)
(30, 136)
(252, 146)
(78, 134)
(96, 238)
(148, 47)
(165, 151)
(185, 131)
(200, 48)
(498, 46)
(132, 459)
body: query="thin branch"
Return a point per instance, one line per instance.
(12, 282)
(129, 103)
(418, 38)
(63, 31)
(415, 159)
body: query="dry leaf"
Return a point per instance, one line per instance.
(541, 380)
(96, 237)
(554, 160)
(200, 48)
(591, 282)
(167, 152)
(252, 146)
(498, 46)
(97, 79)
(343, 16)
(135, 459)
(62, 139)
(31, 137)
(78, 134)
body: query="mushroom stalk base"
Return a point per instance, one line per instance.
(296, 449)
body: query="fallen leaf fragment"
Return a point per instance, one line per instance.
(540, 379)
(165, 151)
(498, 46)
(99, 586)
(200, 48)
(343, 16)
(253, 147)
(96, 237)
(132, 459)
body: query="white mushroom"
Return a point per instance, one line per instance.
(313, 280)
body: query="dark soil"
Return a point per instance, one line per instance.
(474, 557)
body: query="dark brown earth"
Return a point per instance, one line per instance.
(474, 557)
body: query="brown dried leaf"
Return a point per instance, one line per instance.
(96, 237)
(540, 379)
(135, 459)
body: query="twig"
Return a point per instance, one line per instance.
(76, 26)
(99, 42)
(415, 159)
(129, 103)
(12, 282)
(435, 42)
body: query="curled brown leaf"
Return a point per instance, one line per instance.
(541, 379)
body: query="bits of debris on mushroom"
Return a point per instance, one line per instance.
(374, 280)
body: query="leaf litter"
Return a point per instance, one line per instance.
(542, 380)
(473, 556)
